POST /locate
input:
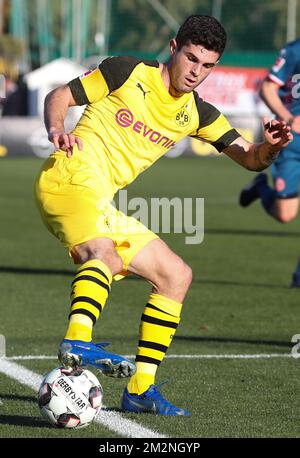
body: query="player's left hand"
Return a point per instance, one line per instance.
(65, 141)
(277, 133)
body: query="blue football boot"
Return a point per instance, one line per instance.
(76, 353)
(150, 401)
(250, 193)
(295, 280)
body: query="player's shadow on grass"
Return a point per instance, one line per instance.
(210, 281)
(36, 271)
(71, 273)
(272, 343)
(251, 232)
(22, 420)
(18, 397)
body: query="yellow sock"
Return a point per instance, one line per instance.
(158, 326)
(90, 290)
(141, 380)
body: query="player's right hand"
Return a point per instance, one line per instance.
(65, 141)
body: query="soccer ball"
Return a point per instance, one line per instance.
(70, 398)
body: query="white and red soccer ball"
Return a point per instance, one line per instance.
(70, 398)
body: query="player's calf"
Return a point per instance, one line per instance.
(90, 289)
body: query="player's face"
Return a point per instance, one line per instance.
(190, 66)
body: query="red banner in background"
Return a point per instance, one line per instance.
(234, 90)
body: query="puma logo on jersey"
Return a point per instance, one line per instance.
(142, 89)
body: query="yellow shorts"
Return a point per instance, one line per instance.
(74, 200)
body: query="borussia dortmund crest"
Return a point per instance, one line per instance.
(182, 118)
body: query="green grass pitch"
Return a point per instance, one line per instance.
(239, 303)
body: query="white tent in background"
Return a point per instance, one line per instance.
(44, 79)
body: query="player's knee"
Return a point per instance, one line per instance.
(285, 210)
(187, 275)
(111, 259)
(107, 255)
(177, 277)
(114, 262)
(183, 277)
(285, 217)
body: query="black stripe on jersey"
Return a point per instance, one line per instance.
(147, 359)
(88, 300)
(152, 345)
(152, 320)
(150, 306)
(226, 140)
(78, 92)
(93, 279)
(84, 312)
(207, 113)
(116, 70)
(95, 269)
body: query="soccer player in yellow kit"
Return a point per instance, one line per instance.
(136, 110)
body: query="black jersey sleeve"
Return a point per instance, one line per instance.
(116, 70)
(109, 76)
(213, 127)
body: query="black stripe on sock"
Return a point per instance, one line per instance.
(147, 359)
(84, 312)
(89, 300)
(93, 279)
(95, 269)
(150, 306)
(152, 320)
(153, 345)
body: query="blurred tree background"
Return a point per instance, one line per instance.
(34, 32)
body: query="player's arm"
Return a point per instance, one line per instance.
(269, 94)
(258, 156)
(279, 76)
(87, 89)
(56, 106)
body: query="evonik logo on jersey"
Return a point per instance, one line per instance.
(125, 119)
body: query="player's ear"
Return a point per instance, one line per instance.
(173, 46)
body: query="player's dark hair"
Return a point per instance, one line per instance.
(202, 30)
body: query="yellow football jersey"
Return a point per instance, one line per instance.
(131, 120)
